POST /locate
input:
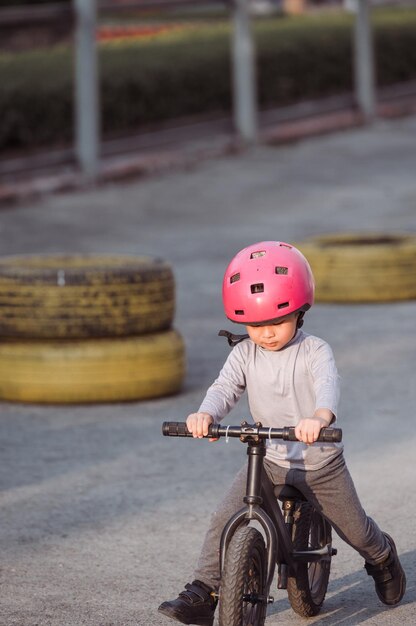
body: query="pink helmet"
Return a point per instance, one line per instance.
(265, 282)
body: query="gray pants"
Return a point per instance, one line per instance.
(330, 489)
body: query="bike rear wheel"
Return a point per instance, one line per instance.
(242, 593)
(307, 590)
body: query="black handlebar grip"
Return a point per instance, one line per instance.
(327, 435)
(331, 435)
(179, 429)
(175, 429)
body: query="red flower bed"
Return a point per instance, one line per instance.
(110, 33)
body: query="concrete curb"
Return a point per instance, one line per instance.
(158, 160)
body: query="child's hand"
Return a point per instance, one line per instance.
(197, 424)
(308, 429)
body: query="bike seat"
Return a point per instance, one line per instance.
(287, 492)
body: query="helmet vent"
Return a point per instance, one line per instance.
(256, 255)
(239, 312)
(281, 270)
(257, 288)
(235, 278)
(283, 305)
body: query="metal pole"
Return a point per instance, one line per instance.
(244, 73)
(364, 61)
(86, 89)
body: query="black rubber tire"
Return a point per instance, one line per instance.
(244, 573)
(92, 370)
(307, 590)
(84, 296)
(362, 267)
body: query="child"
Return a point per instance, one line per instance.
(291, 379)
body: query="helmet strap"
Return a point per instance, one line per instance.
(232, 339)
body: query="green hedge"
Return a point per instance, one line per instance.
(188, 73)
(35, 99)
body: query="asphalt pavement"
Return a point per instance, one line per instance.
(101, 517)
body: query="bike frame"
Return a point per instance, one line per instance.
(261, 505)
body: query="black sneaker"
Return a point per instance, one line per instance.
(195, 605)
(389, 576)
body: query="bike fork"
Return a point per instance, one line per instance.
(253, 510)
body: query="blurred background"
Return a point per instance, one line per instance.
(85, 81)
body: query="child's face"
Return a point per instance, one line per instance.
(274, 336)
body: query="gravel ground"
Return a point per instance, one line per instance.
(101, 517)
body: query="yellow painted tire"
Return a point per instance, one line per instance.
(364, 267)
(63, 297)
(92, 370)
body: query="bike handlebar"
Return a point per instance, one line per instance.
(215, 431)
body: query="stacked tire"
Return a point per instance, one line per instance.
(78, 329)
(362, 267)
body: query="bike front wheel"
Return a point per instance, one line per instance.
(307, 590)
(242, 593)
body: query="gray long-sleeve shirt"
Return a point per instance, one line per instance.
(282, 387)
